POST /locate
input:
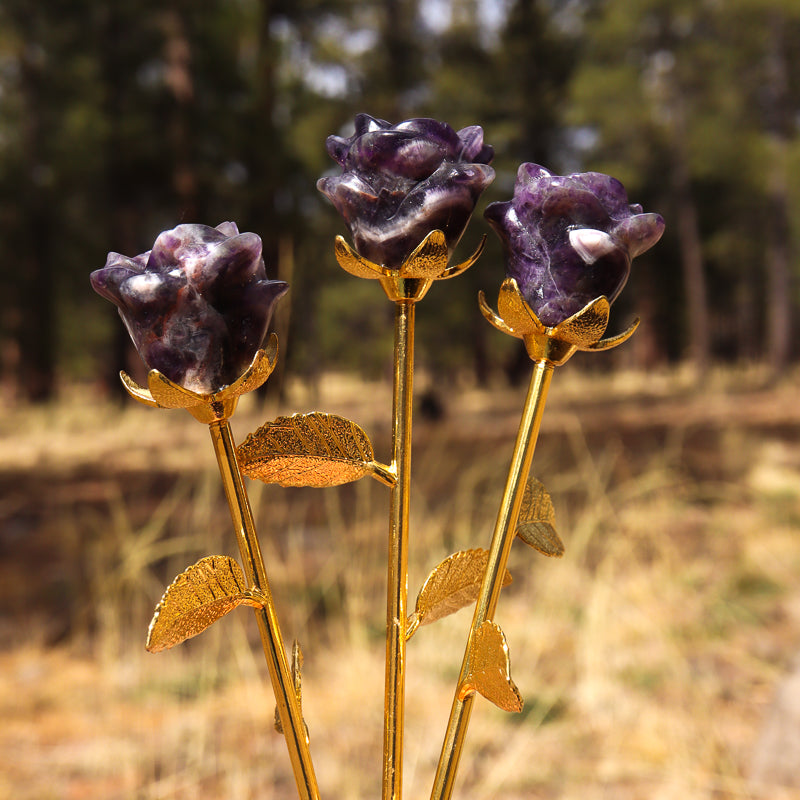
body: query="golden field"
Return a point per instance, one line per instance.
(649, 656)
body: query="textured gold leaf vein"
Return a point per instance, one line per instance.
(197, 598)
(490, 672)
(307, 450)
(536, 523)
(452, 585)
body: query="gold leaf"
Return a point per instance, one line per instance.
(198, 597)
(307, 450)
(453, 584)
(490, 669)
(297, 680)
(537, 519)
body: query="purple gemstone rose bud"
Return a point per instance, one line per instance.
(570, 239)
(197, 305)
(400, 182)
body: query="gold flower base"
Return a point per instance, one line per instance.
(582, 331)
(412, 280)
(206, 408)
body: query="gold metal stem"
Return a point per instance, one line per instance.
(288, 706)
(397, 581)
(502, 539)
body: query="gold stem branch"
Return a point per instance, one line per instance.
(289, 711)
(397, 580)
(502, 539)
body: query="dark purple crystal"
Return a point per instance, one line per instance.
(400, 182)
(570, 239)
(197, 306)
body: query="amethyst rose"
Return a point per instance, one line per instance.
(570, 239)
(197, 306)
(400, 182)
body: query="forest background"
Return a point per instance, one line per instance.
(118, 120)
(654, 657)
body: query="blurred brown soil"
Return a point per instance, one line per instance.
(48, 477)
(73, 481)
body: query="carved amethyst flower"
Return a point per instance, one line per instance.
(197, 305)
(570, 239)
(400, 182)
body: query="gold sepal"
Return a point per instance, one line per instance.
(137, 392)
(164, 393)
(314, 450)
(350, 261)
(261, 367)
(411, 281)
(586, 327)
(536, 521)
(452, 585)
(491, 316)
(515, 312)
(614, 341)
(582, 331)
(428, 261)
(490, 669)
(297, 680)
(197, 598)
(169, 394)
(457, 269)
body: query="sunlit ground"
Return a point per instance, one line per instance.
(648, 657)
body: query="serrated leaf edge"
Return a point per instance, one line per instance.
(321, 423)
(419, 617)
(251, 597)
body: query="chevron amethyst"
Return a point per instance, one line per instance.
(570, 239)
(197, 305)
(400, 182)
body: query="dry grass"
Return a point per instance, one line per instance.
(647, 656)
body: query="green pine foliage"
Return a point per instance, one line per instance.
(118, 120)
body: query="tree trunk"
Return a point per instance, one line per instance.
(778, 228)
(123, 215)
(779, 298)
(37, 329)
(693, 273)
(690, 244)
(178, 77)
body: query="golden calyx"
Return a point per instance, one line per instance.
(582, 331)
(412, 280)
(207, 408)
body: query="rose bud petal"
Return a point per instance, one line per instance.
(197, 306)
(400, 182)
(570, 239)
